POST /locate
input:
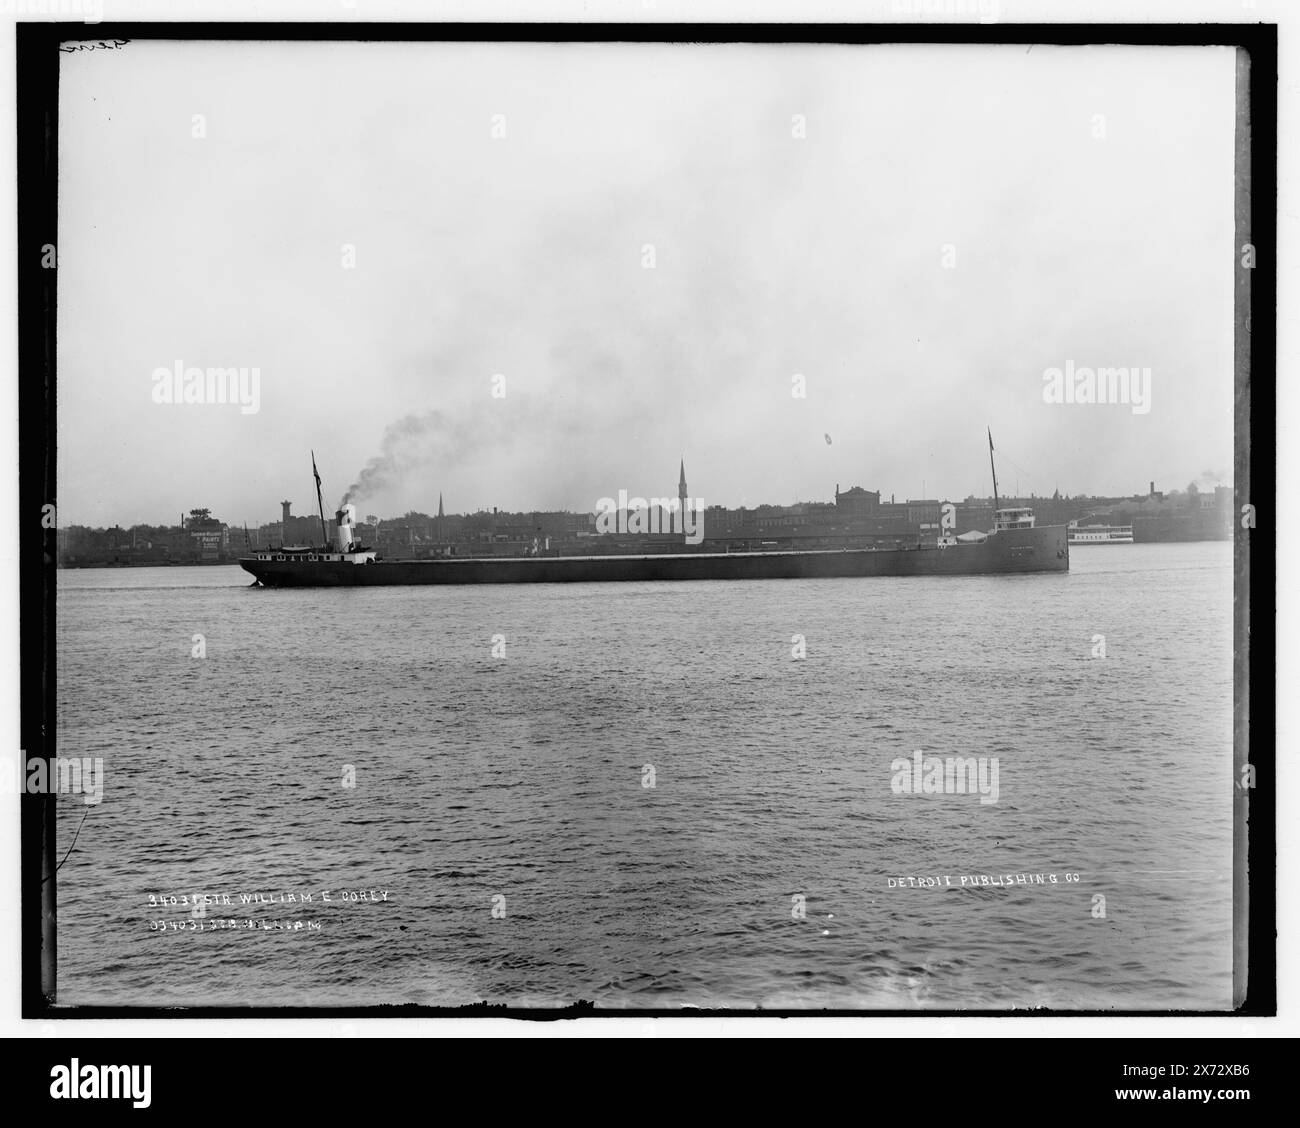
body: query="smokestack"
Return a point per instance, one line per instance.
(1153, 490)
(344, 519)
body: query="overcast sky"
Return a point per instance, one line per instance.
(524, 256)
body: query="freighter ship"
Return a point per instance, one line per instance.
(1014, 545)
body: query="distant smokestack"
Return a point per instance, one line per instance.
(1153, 490)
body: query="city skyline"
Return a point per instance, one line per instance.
(1204, 483)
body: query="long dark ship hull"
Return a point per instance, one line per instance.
(1008, 551)
(1015, 546)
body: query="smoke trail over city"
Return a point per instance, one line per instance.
(405, 443)
(443, 438)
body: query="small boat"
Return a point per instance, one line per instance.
(1099, 534)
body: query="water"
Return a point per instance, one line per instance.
(501, 740)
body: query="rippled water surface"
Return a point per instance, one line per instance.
(502, 739)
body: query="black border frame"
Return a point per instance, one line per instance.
(37, 50)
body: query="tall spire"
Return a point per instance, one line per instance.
(440, 504)
(683, 500)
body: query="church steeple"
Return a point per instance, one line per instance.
(681, 488)
(440, 513)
